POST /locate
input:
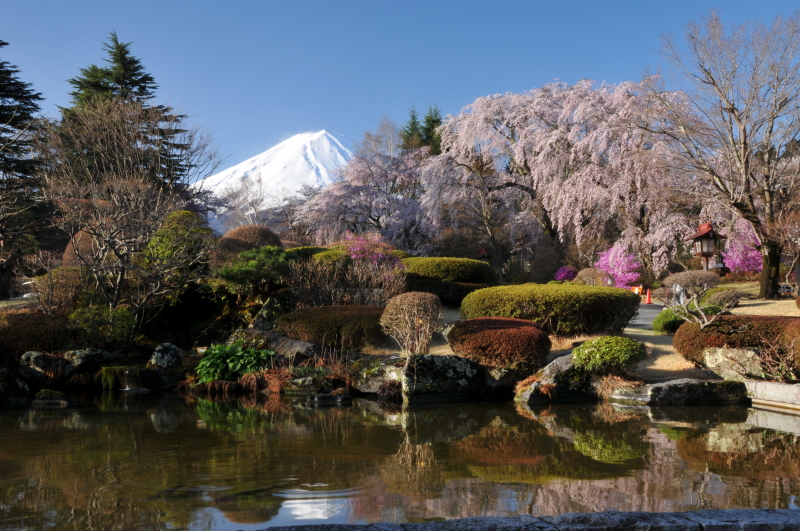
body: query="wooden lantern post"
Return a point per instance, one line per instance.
(707, 244)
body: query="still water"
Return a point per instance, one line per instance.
(160, 462)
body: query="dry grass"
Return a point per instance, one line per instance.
(786, 308)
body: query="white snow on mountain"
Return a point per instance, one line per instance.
(263, 181)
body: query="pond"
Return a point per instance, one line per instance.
(120, 461)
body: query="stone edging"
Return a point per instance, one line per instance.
(709, 520)
(774, 395)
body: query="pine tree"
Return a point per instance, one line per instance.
(125, 80)
(430, 137)
(124, 77)
(18, 104)
(411, 133)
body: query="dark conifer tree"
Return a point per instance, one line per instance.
(18, 104)
(411, 133)
(430, 137)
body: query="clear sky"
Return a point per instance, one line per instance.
(257, 72)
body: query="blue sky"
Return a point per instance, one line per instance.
(257, 72)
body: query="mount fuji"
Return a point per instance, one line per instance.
(263, 181)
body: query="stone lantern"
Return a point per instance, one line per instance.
(707, 245)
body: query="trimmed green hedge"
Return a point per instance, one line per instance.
(667, 323)
(451, 269)
(734, 331)
(500, 342)
(450, 293)
(335, 326)
(303, 253)
(564, 309)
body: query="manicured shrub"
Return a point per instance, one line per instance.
(500, 342)
(735, 331)
(567, 309)
(451, 269)
(411, 319)
(256, 271)
(303, 253)
(593, 277)
(667, 323)
(450, 293)
(240, 239)
(608, 355)
(724, 297)
(335, 326)
(555, 282)
(231, 362)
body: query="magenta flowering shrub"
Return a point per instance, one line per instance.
(566, 273)
(741, 254)
(620, 264)
(368, 247)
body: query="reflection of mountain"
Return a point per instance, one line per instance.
(160, 462)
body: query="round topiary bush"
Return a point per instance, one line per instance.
(335, 326)
(303, 253)
(500, 342)
(451, 269)
(411, 319)
(240, 239)
(608, 355)
(565, 309)
(667, 323)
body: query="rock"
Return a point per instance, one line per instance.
(89, 359)
(615, 520)
(293, 350)
(782, 393)
(13, 391)
(685, 391)
(312, 385)
(502, 378)
(558, 382)
(328, 400)
(430, 379)
(371, 372)
(49, 399)
(39, 366)
(166, 356)
(732, 363)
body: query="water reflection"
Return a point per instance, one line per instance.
(122, 461)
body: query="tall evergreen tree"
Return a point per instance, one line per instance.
(411, 134)
(18, 104)
(124, 79)
(430, 137)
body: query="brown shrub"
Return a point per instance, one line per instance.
(242, 239)
(797, 302)
(500, 342)
(734, 331)
(411, 319)
(22, 332)
(335, 326)
(593, 277)
(84, 242)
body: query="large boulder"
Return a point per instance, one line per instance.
(89, 359)
(682, 392)
(430, 379)
(559, 382)
(732, 363)
(13, 391)
(293, 350)
(50, 399)
(39, 366)
(166, 356)
(371, 372)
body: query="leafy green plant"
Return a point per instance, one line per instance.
(230, 362)
(667, 323)
(103, 326)
(608, 355)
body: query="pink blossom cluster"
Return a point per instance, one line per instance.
(620, 264)
(566, 273)
(368, 247)
(742, 254)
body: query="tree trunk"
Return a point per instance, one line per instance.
(771, 271)
(7, 274)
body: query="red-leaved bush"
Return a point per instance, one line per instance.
(735, 331)
(500, 342)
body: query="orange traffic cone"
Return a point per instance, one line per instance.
(648, 300)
